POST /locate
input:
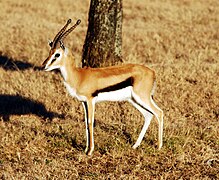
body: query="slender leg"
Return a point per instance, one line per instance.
(149, 105)
(86, 124)
(147, 119)
(159, 117)
(90, 107)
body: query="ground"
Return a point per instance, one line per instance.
(42, 129)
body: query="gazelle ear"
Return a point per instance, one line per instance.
(50, 43)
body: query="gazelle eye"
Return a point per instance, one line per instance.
(57, 55)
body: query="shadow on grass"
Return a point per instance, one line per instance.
(116, 130)
(16, 65)
(18, 105)
(63, 138)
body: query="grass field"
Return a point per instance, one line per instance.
(42, 129)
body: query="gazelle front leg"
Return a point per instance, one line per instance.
(89, 108)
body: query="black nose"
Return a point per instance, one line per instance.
(42, 67)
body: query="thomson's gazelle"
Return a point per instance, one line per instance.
(131, 82)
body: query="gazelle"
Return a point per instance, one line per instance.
(131, 82)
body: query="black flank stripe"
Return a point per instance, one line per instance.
(121, 85)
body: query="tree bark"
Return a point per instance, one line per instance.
(103, 43)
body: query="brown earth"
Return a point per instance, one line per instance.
(42, 130)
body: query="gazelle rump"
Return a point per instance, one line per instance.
(130, 82)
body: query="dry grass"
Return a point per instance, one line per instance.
(42, 131)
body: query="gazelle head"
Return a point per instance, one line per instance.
(58, 50)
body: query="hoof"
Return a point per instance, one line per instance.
(88, 151)
(135, 146)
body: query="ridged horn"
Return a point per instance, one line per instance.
(63, 36)
(60, 34)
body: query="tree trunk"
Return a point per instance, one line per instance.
(103, 43)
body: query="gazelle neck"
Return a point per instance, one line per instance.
(68, 66)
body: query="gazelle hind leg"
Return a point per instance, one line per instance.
(149, 105)
(159, 118)
(147, 119)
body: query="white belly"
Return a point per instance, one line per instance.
(118, 95)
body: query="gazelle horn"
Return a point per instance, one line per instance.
(59, 34)
(63, 36)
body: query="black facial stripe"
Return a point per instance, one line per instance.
(53, 60)
(118, 86)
